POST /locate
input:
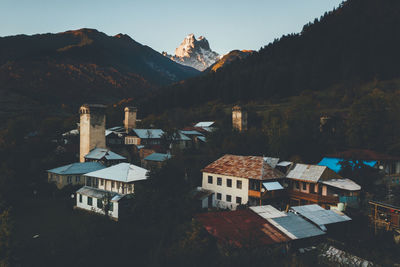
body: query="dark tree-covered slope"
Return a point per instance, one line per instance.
(355, 43)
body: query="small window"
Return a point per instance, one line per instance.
(297, 185)
(112, 184)
(80, 198)
(101, 182)
(238, 200)
(304, 186)
(228, 198)
(229, 182)
(99, 203)
(89, 201)
(117, 185)
(77, 179)
(219, 181)
(239, 184)
(111, 206)
(219, 196)
(69, 179)
(210, 179)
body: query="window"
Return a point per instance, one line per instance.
(112, 184)
(238, 200)
(210, 180)
(99, 203)
(239, 184)
(111, 206)
(219, 196)
(90, 201)
(101, 182)
(80, 198)
(254, 185)
(69, 179)
(297, 185)
(219, 181)
(304, 186)
(228, 198)
(117, 185)
(96, 182)
(77, 179)
(229, 182)
(130, 188)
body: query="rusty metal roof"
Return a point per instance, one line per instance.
(241, 228)
(250, 167)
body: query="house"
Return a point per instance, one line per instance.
(320, 185)
(155, 160)
(389, 165)
(120, 178)
(72, 174)
(104, 156)
(258, 227)
(239, 180)
(196, 137)
(101, 201)
(384, 216)
(204, 197)
(144, 136)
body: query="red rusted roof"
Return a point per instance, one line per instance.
(362, 154)
(250, 167)
(241, 228)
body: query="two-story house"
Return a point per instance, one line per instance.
(239, 180)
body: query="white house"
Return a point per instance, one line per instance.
(94, 199)
(239, 180)
(120, 178)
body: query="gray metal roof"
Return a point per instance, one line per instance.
(284, 163)
(204, 124)
(296, 227)
(271, 161)
(268, 211)
(345, 184)
(149, 133)
(181, 137)
(319, 215)
(202, 138)
(77, 168)
(122, 172)
(191, 132)
(99, 193)
(99, 153)
(272, 186)
(305, 172)
(158, 157)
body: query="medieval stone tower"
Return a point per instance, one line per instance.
(239, 119)
(92, 128)
(130, 118)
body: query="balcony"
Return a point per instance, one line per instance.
(313, 197)
(267, 194)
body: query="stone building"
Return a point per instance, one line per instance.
(92, 128)
(130, 118)
(239, 119)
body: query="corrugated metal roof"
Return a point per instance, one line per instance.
(296, 227)
(122, 172)
(202, 138)
(305, 172)
(284, 163)
(345, 184)
(158, 157)
(99, 153)
(181, 137)
(78, 168)
(191, 132)
(241, 228)
(99, 193)
(203, 124)
(268, 211)
(319, 215)
(250, 167)
(149, 133)
(272, 186)
(334, 163)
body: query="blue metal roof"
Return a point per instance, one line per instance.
(296, 227)
(78, 168)
(99, 153)
(158, 157)
(334, 163)
(271, 186)
(149, 133)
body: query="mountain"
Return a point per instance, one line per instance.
(194, 53)
(229, 58)
(349, 46)
(79, 66)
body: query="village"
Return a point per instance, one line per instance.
(243, 200)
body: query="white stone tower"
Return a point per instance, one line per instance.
(92, 128)
(130, 118)
(239, 119)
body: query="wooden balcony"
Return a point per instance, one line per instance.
(267, 194)
(315, 198)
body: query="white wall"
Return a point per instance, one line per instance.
(225, 190)
(94, 208)
(107, 185)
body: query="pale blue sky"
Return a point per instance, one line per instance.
(163, 24)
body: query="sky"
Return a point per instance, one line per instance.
(163, 24)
